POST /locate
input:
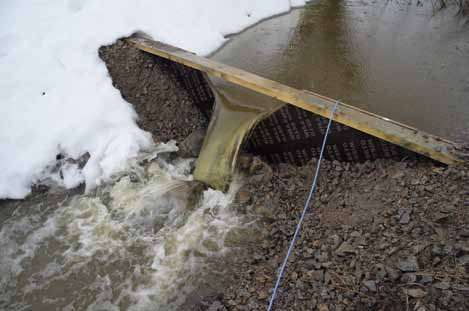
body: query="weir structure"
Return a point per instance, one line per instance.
(293, 132)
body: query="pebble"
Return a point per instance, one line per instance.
(409, 278)
(416, 292)
(323, 307)
(371, 285)
(404, 217)
(380, 271)
(345, 249)
(426, 279)
(409, 265)
(442, 285)
(394, 274)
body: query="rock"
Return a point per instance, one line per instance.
(243, 197)
(334, 240)
(442, 250)
(371, 285)
(323, 307)
(316, 275)
(404, 216)
(263, 294)
(380, 272)
(191, 146)
(441, 218)
(216, 306)
(442, 285)
(464, 233)
(464, 260)
(409, 278)
(312, 264)
(415, 292)
(345, 249)
(394, 274)
(426, 279)
(409, 265)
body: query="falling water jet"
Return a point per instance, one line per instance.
(235, 114)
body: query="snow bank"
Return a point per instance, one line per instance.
(55, 92)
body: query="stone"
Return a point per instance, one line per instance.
(216, 306)
(464, 260)
(243, 197)
(409, 278)
(404, 217)
(312, 264)
(191, 146)
(316, 275)
(442, 285)
(323, 307)
(464, 233)
(380, 271)
(426, 279)
(345, 249)
(393, 274)
(334, 240)
(442, 250)
(409, 265)
(371, 285)
(263, 294)
(416, 292)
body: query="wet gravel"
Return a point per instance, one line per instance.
(381, 235)
(164, 108)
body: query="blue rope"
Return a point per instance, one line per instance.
(308, 200)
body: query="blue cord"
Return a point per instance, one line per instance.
(308, 200)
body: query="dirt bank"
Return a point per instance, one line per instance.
(163, 107)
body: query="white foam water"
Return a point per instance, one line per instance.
(147, 241)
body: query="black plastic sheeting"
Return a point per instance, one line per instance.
(292, 135)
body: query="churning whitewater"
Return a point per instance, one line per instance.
(146, 241)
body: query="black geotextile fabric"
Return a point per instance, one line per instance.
(292, 135)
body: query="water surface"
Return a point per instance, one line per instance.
(404, 61)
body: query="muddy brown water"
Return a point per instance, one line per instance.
(403, 61)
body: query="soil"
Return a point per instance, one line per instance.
(164, 108)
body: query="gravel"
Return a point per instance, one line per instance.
(380, 235)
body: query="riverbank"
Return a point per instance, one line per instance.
(383, 235)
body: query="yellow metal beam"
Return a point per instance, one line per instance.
(405, 136)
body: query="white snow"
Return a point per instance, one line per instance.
(56, 94)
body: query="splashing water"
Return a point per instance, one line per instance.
(236, 113)
(147, 241)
